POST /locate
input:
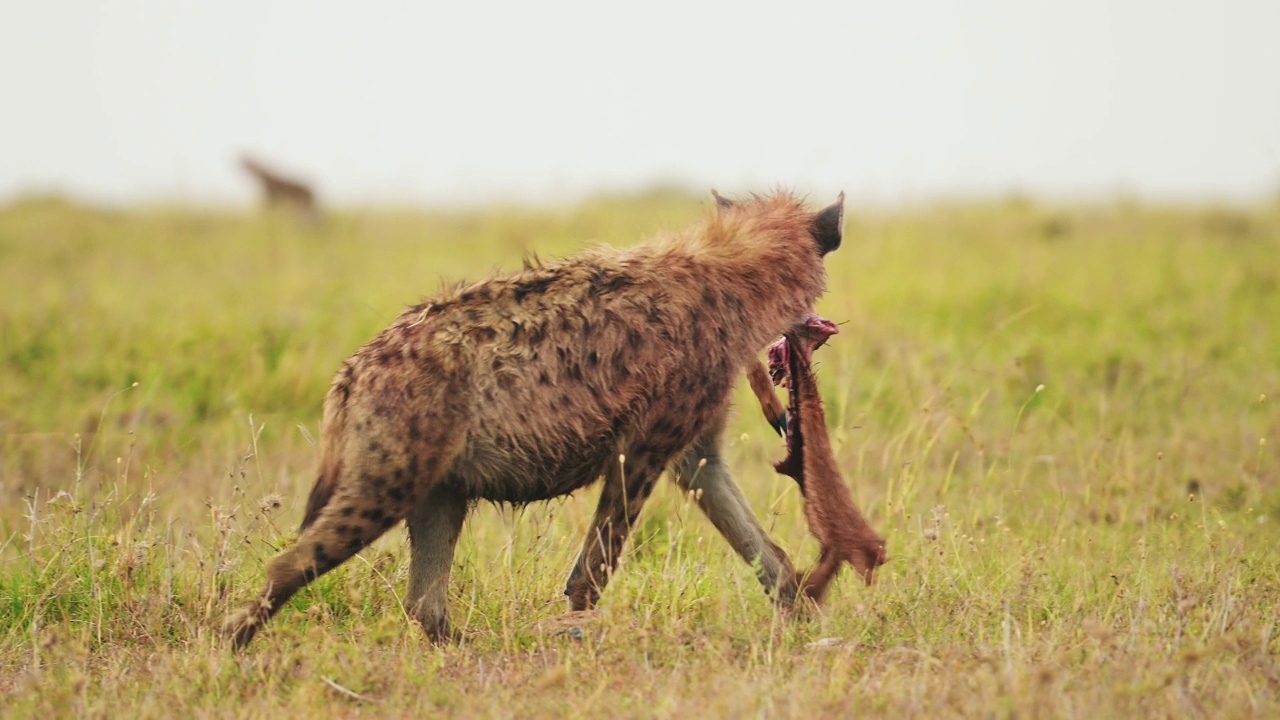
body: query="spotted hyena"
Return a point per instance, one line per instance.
(613, 363)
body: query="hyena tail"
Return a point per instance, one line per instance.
(332, 430)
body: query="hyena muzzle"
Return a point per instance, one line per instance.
(613, 363)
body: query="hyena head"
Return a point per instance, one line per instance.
(777, 245)
(826, 227)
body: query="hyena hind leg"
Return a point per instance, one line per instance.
(347, 525)
(624, 493)
(434, 526)
(366, 504)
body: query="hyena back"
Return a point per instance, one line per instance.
(613, 363)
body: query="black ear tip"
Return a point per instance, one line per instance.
(828, 225)
(721, 201)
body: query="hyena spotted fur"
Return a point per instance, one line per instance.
(613, 363)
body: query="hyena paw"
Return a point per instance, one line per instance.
(439, 631)
(240, 627)
(786, 591)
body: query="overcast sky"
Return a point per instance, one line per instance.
(443, 102)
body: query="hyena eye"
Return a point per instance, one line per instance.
(827, 226)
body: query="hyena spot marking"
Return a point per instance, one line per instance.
(355, 544)
(575, 372)
(347, 511)
(536, 337)
(634, 341)
(593, 358)
(586, 328)
(481, 294)
(709, 299)
(373, 515)
(396, 494)
(323, 560)
(543, 379)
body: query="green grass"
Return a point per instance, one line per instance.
(1064, 420)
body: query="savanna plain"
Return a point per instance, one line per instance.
(1063, 419)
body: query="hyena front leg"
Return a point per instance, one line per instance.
(384, 475)
(722, 501)
(627, 485)
(434, 527)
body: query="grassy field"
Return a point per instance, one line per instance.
(1064, 420)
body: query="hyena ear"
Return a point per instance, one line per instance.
(827, 226)
(722, 202)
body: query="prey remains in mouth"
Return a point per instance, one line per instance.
(841, 529)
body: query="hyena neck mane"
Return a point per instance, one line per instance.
(760, 258)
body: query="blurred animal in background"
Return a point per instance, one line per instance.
(279, 190)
